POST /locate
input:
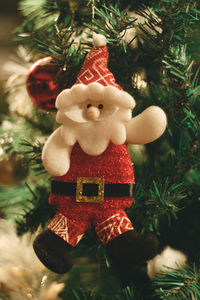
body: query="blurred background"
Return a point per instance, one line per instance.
(159, 65)
(9, 19)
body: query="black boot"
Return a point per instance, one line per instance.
(53, 252)
(131, 248)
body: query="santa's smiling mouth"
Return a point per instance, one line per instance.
(92, 113)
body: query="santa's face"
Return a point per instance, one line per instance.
(94, 115)
(97, 110)
(93, 111)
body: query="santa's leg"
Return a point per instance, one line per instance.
(125, 247)
(53, 246)
(53, 252)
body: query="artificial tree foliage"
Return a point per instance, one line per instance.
(159, 41)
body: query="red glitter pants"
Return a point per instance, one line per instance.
(71, 227)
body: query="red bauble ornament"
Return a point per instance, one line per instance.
(44, 82)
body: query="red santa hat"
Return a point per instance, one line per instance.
(95, 81)
(95, 67)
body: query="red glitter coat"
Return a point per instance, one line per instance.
(114, 165)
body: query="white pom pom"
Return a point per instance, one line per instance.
(169, 258)
(99, 40)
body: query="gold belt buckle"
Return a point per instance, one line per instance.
(90, 180)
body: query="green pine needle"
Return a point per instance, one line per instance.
(183, 283)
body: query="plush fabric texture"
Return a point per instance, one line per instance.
(99, 40)
(72, 226)
(56, 155)
(95, 68)
(53, 252)
(96, 118)
(94, 136)
(131, 248)
(114, 165)
(147, 126)
(96, 86)
(80, 93)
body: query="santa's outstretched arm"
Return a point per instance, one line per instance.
(147, 126)
(56, 154)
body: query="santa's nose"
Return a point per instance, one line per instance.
(93, 113)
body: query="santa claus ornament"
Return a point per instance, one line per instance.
(93, 171)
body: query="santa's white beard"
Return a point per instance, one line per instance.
(94, 136)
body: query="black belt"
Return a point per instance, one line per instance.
(90, 188)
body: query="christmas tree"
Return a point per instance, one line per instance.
(153, 56)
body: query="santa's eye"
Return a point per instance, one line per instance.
(100, 106)
(89, 105)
